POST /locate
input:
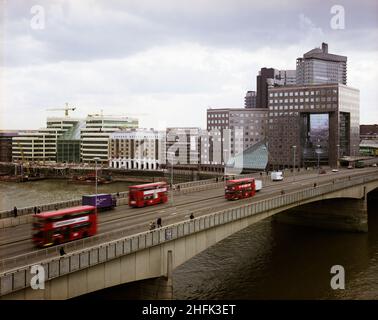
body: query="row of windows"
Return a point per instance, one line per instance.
(247, 115)
(303, 93)
(217, 121)
(301, 107)
(317, 99)
(217, 115)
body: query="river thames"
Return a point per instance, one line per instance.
(267, 260)
(48, 191)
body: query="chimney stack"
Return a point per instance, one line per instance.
(325, 47)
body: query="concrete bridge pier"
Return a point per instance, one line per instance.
(160, 288)
(340, 214)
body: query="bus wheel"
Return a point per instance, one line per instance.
(56, 242)
(85, 235)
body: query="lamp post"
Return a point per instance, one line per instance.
(318, 153)
(338, 156)
(171, 154)
(95, 160)
(294, 148)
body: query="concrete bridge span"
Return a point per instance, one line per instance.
(147, 255)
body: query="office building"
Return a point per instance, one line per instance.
(368, 131)
(250, 99)
(96, 133)
(287, 77)
(319, 67)
(41, 145)
(230, 131)
(183, 145)
(270, 77)
(322, 121)
(142, 149)
(68, 144)
(6, 144)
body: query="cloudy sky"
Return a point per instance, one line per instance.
(167, 61)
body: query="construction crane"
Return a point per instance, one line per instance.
(65, 109)
(118, 115)
(23, 159)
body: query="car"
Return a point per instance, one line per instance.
(322, 171)
(335, 170)
(374, 165)
(350, 167)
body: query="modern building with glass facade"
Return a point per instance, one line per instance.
(68, 144)
(41, 145)
(318, 66)
(96, 133)
(322, 121)
(254, 158)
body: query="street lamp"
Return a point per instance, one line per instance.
(294, 148)
(95, 160)
(338, 156)
(171, 154)
(318, 151)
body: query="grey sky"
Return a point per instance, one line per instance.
(169, 59)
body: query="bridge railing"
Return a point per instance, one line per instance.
(88, 252)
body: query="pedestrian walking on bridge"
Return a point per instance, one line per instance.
(152, 225)
(158, 222)
(61, 251)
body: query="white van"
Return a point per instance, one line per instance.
(276, 176)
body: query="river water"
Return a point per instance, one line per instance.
(28, 194)
(267, 260)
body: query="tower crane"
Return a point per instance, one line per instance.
(24, 162)
(65, 109)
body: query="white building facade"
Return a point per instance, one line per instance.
(142, 149)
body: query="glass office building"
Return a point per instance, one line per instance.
(317, 66)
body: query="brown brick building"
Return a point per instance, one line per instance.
(322, 121)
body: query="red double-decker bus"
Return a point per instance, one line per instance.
(59, 226)
(148, 194)
(240, 188)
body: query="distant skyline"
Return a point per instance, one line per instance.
(166, 62)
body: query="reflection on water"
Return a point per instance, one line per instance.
(46, 191)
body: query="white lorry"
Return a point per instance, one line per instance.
(276, 176)
(258, 184)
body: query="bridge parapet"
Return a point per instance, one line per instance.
(86, 253)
